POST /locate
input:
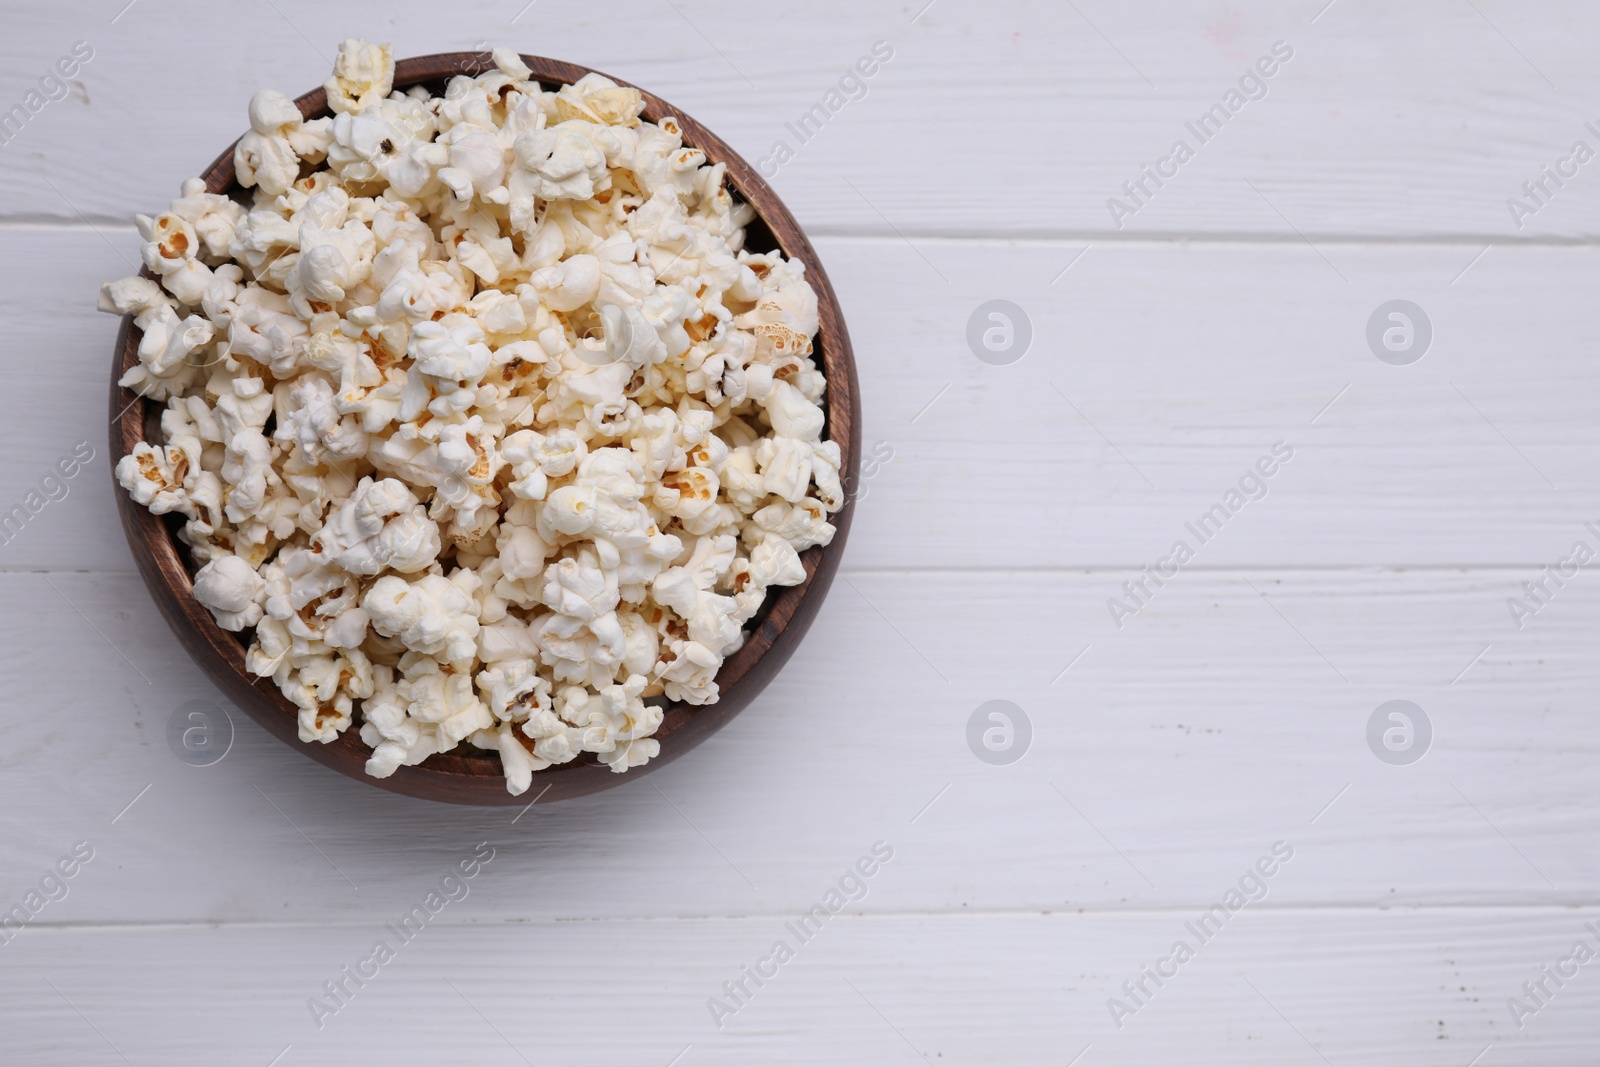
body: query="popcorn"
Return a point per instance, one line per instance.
(802, 525)
(166, 365)
(511, 64)
(266, 162)
(363, 74)
(312, 423)
(213, 216)
(232, 590)
(247, 466)
(448, 359)
(445, 702)
(596, 98)
(132, 296)
(263, 328)
(570, 284)
(562, 162)
(476, 165)
(433, 615)
(792, 415)
(389, 141)
(380, 527)
(156, 477)
(393, 736)
(485, 427)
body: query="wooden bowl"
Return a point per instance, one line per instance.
(457, 777)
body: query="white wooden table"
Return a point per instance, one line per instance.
(1228, 311)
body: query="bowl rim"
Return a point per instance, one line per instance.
(478, 780)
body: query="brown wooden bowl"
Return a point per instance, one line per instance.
(477, 779)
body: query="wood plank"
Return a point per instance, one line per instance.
(1167, 758)
(1271, 987)
(1177, 363)
(1414, 120)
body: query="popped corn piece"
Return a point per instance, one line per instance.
(232, 590)
(363, 74)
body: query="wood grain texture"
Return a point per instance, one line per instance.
(1414, 120)
(1275, 988)
(477, 778)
